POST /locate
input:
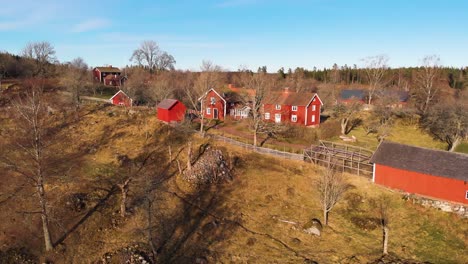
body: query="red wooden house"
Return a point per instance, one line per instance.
(120, 98)
(108, 75)
(426, 172)
(171, 110)
(294, 108)
(213, 105)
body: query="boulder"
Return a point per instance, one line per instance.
(313, 227)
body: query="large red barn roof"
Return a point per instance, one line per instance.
(422, 160)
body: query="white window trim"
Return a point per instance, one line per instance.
(313, 119)
(208, 111)
(278, 107)
(294, 108)
(278, 115)
(314, 108)
(267, 116)
(294, 118)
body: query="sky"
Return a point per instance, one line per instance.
(243, 33)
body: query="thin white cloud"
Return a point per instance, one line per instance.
(91, 24)
(11, 18)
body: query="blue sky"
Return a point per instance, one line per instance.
(249, 33)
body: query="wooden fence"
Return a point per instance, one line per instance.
(271, 152)
(348, 158)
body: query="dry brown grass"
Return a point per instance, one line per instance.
(249, 211)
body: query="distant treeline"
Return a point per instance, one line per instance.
(15, 66)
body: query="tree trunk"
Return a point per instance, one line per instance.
(344, 124)
(385, 240)
(202, 119)
(150, 225)
(123, 202)
(45, 218)
(453, 145)
(189, 157)
(255, 138)
(325, 216)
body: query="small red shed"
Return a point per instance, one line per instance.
(120, 98)
(433, 173)
(171, 110)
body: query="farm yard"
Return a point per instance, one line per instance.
(332, 147)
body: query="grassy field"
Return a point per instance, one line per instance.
(258, 217)
(400, 132)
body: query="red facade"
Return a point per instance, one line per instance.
(120, 98)
(110, 76)
(439, 187)
(294, 112)
(170, 110)
(213, 105)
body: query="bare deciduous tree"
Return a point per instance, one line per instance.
(382, 206)
(210, 77)
(43, 53)
(427, 78)
(375, 68)
(347, 115)
(331, 186)
(150, 55)
(258, 86)
(448, 123)
(76, 78)
(28, 154)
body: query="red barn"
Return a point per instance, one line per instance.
(120, 98)
(426, 172)
(213, 105)
(171, 110)
(108, 75)
(294, 108)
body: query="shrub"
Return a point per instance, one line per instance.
(330, 129)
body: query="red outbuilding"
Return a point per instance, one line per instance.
(213, 105)
(293, 108)
(120, 98)
(433, 173)
(171, 110)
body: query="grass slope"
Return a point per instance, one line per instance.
(256, 218)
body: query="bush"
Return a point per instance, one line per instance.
(309, 135)
(330, 129)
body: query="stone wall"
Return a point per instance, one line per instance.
(458, 209)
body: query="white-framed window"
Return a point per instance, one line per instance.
(212, 100)
(313, 107)
(278, 107)
(277, 118)
(267, 116)
(313, 118)
(466, 195)
(294, 107)
(208, 111)
(294, 118)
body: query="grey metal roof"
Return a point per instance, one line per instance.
(167, 103)
(422, 160)
(352, 94)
